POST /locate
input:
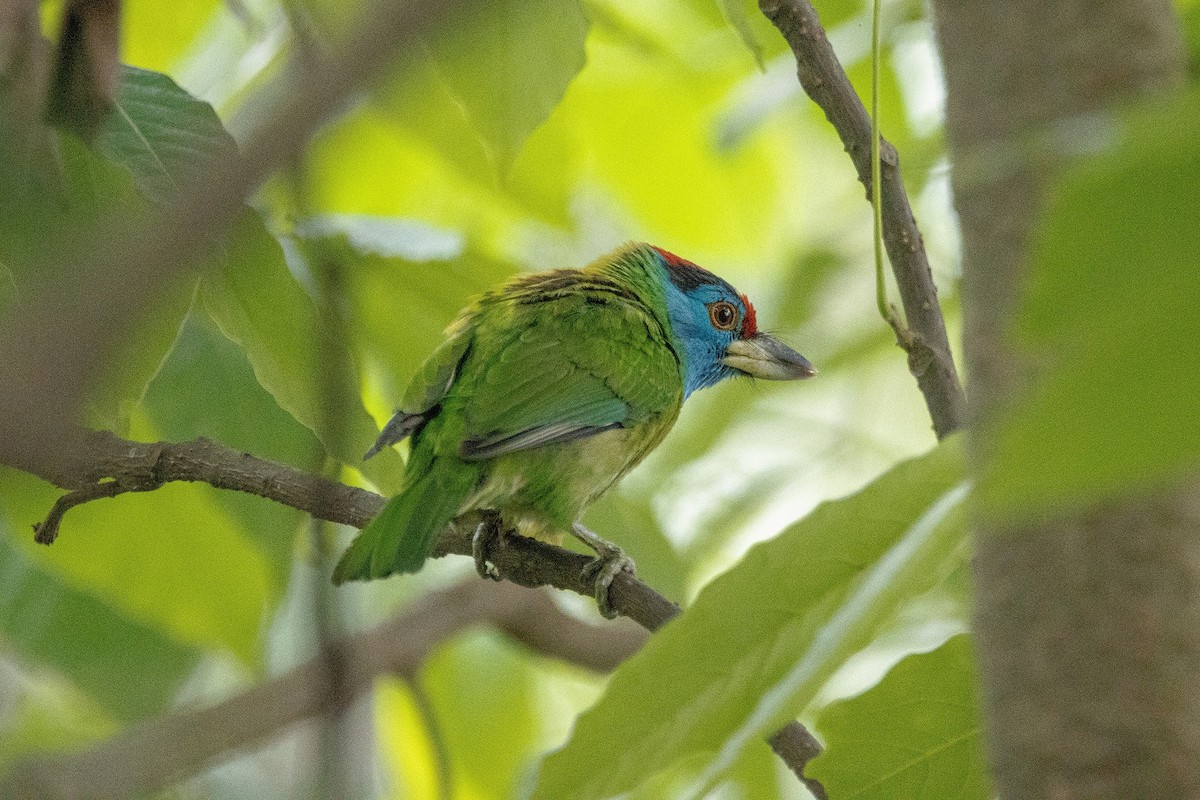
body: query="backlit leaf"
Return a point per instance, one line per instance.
(260, 305)
(761, 639)
(916, 735)
(168, 560)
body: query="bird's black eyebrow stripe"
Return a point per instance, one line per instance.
(688, 277)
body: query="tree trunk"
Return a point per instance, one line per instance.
(1088, 626)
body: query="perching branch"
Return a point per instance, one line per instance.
(100, 459)
(924, 339)
(136, 762)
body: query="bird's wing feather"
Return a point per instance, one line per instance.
(428, 386)
(573, 365)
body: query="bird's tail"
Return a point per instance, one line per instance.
(403, 535)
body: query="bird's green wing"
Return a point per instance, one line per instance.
(428, 386)
(571, 365)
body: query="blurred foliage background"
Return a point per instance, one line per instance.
(521, 136)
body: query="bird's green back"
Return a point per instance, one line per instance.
(548, 389)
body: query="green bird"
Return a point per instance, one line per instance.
(547, 390)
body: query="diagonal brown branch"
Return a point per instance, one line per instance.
(136, 760)
(100, 458)
(929, 356)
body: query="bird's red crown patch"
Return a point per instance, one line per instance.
(674, 260)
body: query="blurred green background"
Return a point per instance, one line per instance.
(525, 135)
(519, 136)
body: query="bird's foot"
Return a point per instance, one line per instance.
(609, 562)
(487, 532)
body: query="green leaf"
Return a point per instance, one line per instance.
(162, 134)
(483, 699)
(207, 388)
(763, 638)
(154, 40)
(738, 14)
(258, 304)
(93, 188)
(916, 735)
(481, 86)
(1110, 323)
(168, 559)
(131, 669)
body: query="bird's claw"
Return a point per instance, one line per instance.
(609, 562)
(486, 534)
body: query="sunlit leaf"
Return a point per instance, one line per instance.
(761, 639)
(483, 701)
(154, 40)
(130, 668)
(1110, 323)
(480, 86)
(915, 735)
(258, 304)
(738, 14)
(399, 718)
(642, 157)
(167, 559)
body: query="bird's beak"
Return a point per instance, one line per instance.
(763, 356)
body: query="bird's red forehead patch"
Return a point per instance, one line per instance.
(750, 321)
(674, 260)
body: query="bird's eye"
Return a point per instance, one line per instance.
(723, 316)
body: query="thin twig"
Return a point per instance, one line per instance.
(924, 340)
(46, 532)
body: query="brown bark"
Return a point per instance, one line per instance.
(1088, 625)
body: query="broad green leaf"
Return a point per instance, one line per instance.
(916, 735)
(761, 639)
(129, 668)
(207, 388)
(261, 306)
(1111, 324)
(155, 139)
(407, 747)
(93, 189)
(168, 559)
(482, 84)
(738, 14)
(163, 135)
(638, 158)
(369, 163)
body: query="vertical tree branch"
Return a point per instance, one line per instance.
(929, 356)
